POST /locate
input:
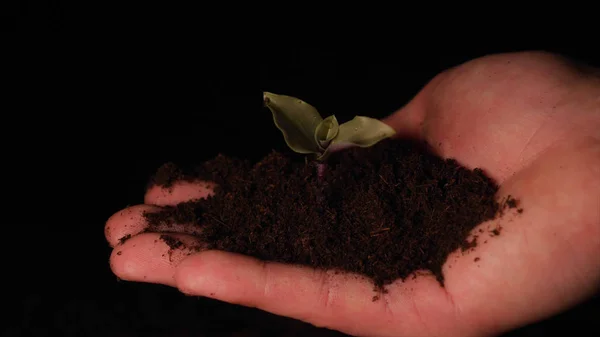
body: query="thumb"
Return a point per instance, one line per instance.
(409, 120)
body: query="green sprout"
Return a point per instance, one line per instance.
(306, 132)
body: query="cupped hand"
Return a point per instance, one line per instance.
(531, 120)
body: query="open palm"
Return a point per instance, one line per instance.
(531, 121)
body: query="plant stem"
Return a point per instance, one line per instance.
(320, 171)
(320, 167)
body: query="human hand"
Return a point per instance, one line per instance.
(535, 118)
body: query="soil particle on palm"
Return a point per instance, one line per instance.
(171, 241)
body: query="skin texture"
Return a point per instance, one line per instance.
(531, 120)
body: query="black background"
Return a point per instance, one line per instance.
(91, 113)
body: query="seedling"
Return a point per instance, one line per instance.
(306, 132)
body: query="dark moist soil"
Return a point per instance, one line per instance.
(383, 212)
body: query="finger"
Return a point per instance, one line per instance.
(126, 223)
(335, 300)
(134, 220)
(179, 192)
(152, 257)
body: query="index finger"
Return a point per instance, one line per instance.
(180, 191)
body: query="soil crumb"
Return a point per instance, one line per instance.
(172, 242)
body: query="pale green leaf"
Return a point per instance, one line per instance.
(296, 119)
(326, 131)
(360, 131)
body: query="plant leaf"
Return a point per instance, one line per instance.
(326, 131)
(297, 120)
(360, 131)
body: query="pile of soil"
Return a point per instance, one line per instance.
(383, 212)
